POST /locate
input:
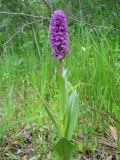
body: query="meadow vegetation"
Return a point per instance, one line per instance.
(27, 73)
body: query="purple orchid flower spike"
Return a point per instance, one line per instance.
(58, 35)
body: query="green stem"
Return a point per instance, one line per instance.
(60, 67)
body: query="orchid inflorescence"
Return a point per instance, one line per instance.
(58, 34)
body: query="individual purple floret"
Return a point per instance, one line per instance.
(58, 34)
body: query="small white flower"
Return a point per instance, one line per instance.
(83, 48)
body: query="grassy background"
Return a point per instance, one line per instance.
(27, 72)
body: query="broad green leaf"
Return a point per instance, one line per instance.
(64, 149)
(73, 112)
(69, 107)
(63, 99)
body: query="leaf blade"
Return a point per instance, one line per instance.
(64, 149)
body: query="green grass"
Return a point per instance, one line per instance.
(28, 73)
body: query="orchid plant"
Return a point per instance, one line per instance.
(68, 99)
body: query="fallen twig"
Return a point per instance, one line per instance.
(23, 14)
(20, 28)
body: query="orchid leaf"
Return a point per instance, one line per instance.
(73, 112)
(64, 149)
(63, 99)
